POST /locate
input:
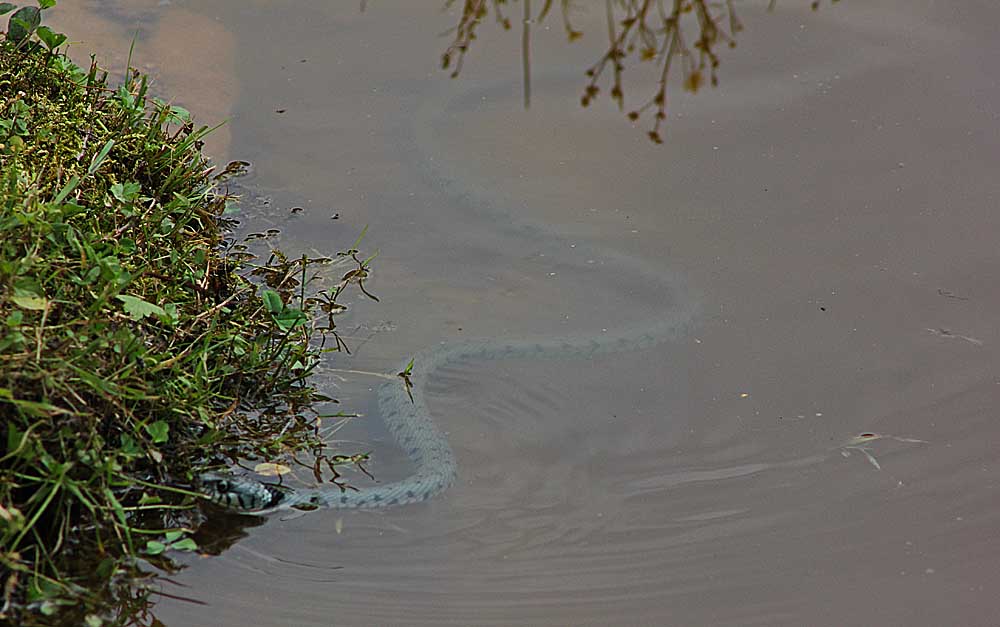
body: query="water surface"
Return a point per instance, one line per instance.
(828, 213)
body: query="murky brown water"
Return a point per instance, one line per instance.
(831, 209)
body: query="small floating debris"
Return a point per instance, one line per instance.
(950, 294)
(860, 443)
(233, 169)
(941, 332)
(269, 469)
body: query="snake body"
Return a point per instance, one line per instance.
(411, 423)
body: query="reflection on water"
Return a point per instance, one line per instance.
(190, 59)
(823, 203)
(638, 30)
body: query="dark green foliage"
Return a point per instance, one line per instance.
(23, 23)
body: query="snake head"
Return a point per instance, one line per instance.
(240, 494)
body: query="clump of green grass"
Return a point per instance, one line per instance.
(134, 350)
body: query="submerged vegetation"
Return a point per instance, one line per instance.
(662, 32)
(138, 345)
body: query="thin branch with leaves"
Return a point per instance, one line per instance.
(654, 31)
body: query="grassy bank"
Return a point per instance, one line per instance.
(138, 345)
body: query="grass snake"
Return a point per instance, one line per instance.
(434, 467)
